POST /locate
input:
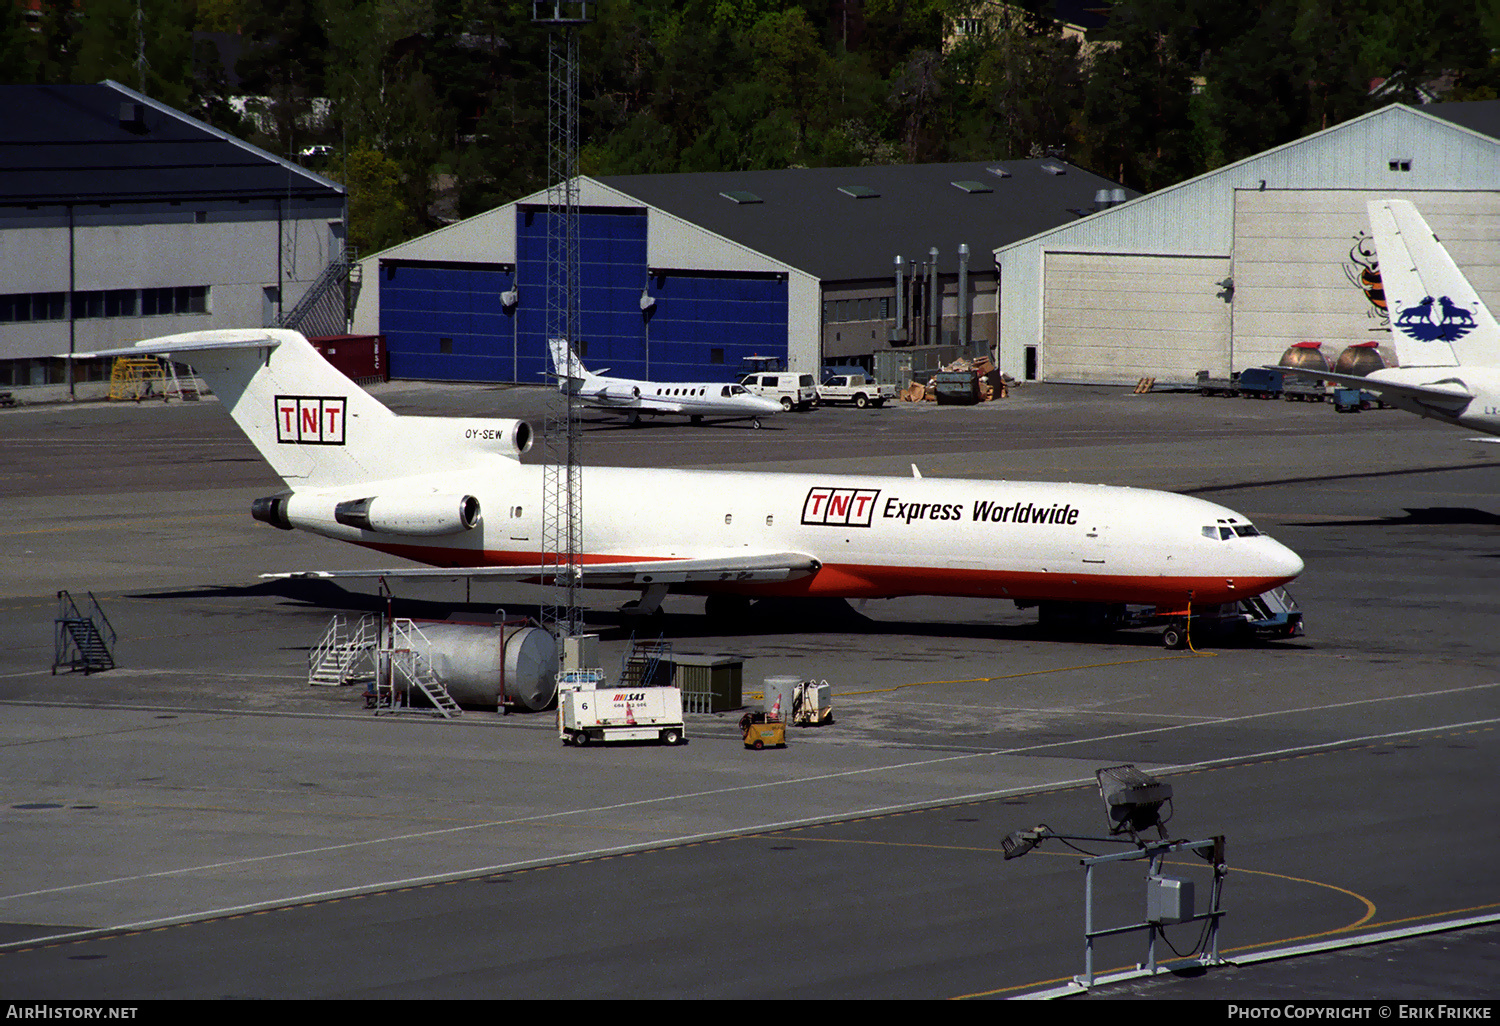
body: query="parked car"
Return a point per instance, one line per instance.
(791, 390)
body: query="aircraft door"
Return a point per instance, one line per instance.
(1094, 551)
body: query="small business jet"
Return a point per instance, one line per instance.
(694, 400)
(452, 493)
(1447, 343)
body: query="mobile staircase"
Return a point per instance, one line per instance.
(644, 662)
(346, 653)
(404, 666)
(82, 641)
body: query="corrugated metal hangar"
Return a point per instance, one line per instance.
(1229, 269)
(122, 219)
(684, 276)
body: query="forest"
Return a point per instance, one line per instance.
(431, 110)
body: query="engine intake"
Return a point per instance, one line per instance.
(410, 514)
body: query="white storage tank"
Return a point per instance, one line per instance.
(494, 665)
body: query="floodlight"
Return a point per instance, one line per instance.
(1133, 799)
(1022, 841)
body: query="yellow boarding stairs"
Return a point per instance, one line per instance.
(148, 377)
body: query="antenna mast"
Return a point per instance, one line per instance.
(562, 478)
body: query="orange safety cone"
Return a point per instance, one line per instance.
(629, 716)
(775, 710)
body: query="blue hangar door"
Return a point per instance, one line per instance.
(448, 321)
(703, 324)
(695, 325)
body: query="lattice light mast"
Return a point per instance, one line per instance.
(562, 479)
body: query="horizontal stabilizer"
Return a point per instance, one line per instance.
(779, 566)
(192, 342)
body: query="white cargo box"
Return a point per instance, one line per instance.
(620, 714)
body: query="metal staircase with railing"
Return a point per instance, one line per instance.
(643, 662)
(346, 655)
(324, 308)
(404, 665)
(82, 640)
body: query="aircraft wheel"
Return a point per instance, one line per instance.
(786, 404)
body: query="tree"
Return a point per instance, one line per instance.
(108, 41)
(18, 56)
(284, 59)
(379, 215)
(1138, 126)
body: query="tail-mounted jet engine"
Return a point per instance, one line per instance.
(410, 514)
(421, 515)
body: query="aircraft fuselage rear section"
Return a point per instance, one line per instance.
(873, 537)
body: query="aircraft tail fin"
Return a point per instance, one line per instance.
(1437, 318)
(315, 426)
(571, 373)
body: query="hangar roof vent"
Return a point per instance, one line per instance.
(858, 191)
(741, 196)
(1054, 169)
(972, 186)
(999, 172)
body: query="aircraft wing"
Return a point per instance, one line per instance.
(773, 566)
(1451, 400)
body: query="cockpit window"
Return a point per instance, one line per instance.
(1224, 533)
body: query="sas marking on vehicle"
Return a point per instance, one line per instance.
(310, 419)
(840, 507)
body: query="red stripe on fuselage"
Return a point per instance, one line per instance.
(853, 580)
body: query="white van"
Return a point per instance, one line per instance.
(791, 390)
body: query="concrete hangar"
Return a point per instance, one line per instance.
(1226, 270)
(685, 275)
(123, 219)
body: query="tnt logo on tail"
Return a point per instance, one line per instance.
(310, 419)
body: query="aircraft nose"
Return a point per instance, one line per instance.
(1281, 561)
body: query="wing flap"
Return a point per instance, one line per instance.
(776, 566)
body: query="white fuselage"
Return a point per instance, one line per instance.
(872, 536)
(688, 398)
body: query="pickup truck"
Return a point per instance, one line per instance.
(856, 389)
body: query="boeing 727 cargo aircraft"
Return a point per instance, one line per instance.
(1447, 343)
(452, 493)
